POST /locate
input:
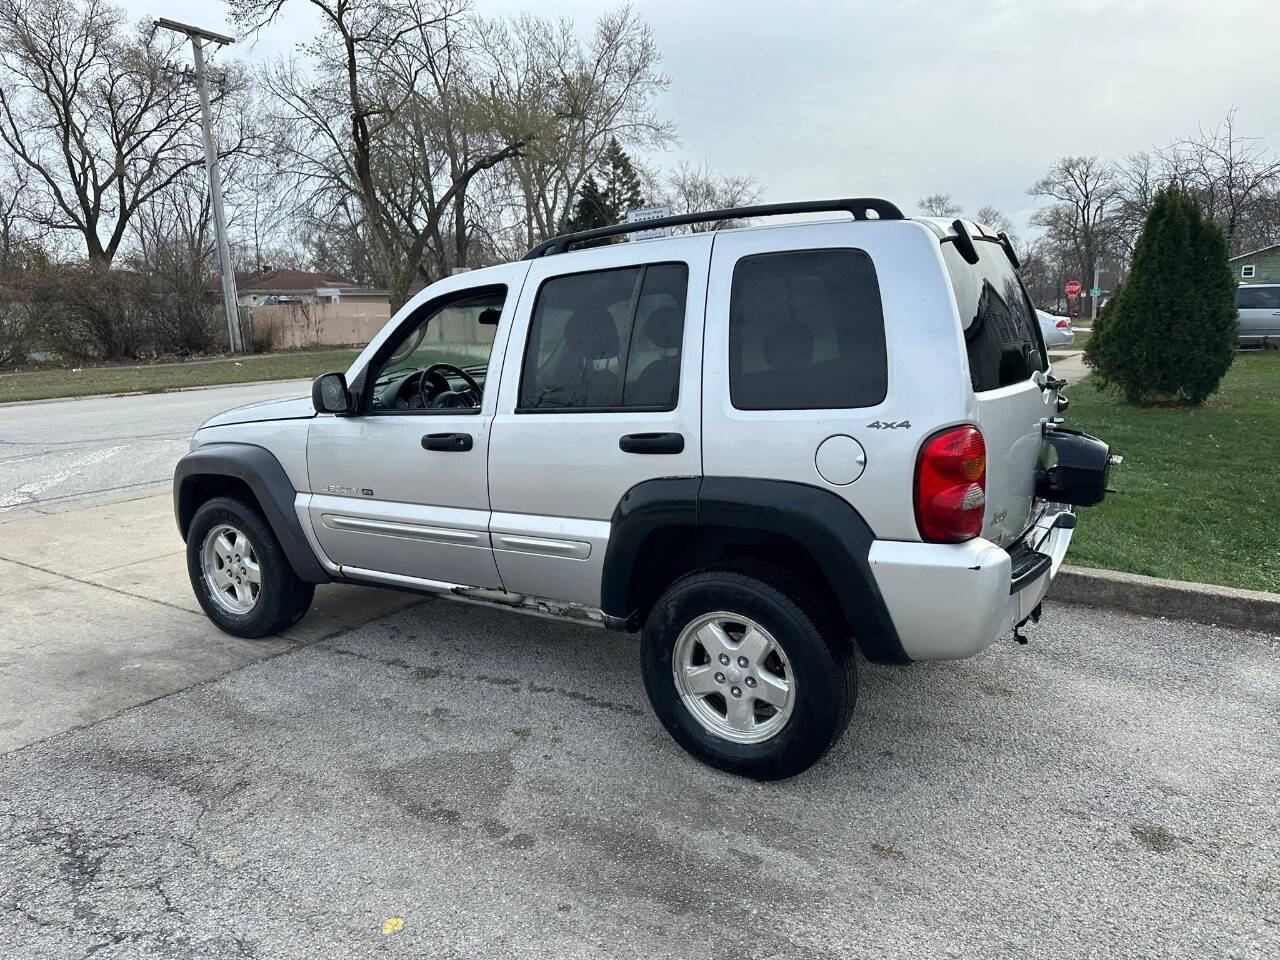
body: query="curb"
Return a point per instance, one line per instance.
(151, 393)
(1173, 599)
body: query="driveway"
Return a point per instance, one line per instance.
(455, 781)
(442, 779)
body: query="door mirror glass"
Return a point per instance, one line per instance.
(329, 394)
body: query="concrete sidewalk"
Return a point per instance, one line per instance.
(1069, 365)
(97, 615)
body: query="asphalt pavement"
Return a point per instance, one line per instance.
(449, 780)
(63, 452)
(456, 781)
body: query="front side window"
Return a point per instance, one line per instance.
(1258, 298)
(1001, 333)
(438, 360)
(806, 332)
(606, 340)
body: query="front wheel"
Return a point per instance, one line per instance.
(749, 672)
(239, 572)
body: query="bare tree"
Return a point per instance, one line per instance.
(378, 125)
(94, 113)
(992, 217)
(573, 96)
(1225, 172)
(939, 205)
(1137, 177)
(1081, 219)
(691, 188)
(15, 236)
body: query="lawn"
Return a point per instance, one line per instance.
(1198, 495)
(159, 377)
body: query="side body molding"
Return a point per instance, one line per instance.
(827, 527)
(257, 468)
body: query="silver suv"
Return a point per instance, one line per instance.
(759, 447)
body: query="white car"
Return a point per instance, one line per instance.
(759, 447)
(1056, 330)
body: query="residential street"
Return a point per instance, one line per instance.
(59, 452)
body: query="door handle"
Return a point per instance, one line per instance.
(449, 442)
(652, 443)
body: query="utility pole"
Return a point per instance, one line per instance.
(230, 302)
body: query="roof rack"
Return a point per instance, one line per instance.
(858, 207)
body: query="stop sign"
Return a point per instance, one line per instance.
(1073, 288)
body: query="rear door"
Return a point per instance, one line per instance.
(1007, 362)
(1259, 308)
(600, 392)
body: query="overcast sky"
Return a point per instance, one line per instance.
(910, 97)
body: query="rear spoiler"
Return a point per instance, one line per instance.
(969, 253)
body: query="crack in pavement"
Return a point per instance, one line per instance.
(101, 586)
(83, 494)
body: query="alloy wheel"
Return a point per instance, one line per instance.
(230, 567)
(734, 677)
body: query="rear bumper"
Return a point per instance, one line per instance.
(949, 601)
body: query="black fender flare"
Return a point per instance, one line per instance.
(828, 527)
(258, 468)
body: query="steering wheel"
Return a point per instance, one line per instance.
(434, 375)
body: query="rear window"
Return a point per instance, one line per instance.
(1001, 334)
(806, 332)
(1258, 298)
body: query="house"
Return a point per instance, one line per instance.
(304, 308)
(291, 286)
(1257, 266)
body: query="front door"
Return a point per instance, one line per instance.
(399, 490)
(600, 391)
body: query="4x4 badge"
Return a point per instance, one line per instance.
(889, 424)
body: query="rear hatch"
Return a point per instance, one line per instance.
(1006, 359)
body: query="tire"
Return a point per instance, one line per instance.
(754, 609)
(222, 572)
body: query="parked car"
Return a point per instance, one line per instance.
(757, 446)
(1259, 306)
(1056, 330)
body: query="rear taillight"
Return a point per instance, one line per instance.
(1062, 325)
(951, 485)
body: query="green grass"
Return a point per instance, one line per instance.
(159, 377)
(1198, 495)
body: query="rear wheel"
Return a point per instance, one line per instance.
(239, 572)
(748, 671)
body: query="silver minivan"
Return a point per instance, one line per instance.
(1259, 306)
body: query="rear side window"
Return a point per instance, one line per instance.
(1001, 333)
(606, 340)
(806, 332)
(1258, 298)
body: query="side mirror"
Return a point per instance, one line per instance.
(329, 394)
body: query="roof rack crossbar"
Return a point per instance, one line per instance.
(857, 207)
